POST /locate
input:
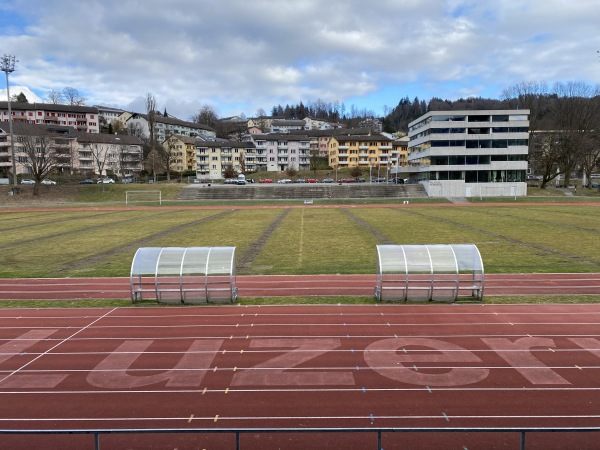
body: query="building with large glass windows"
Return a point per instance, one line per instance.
(469, 153)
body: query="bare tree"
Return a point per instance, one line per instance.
(575, 115)
(590, 159)
(151, 119)
(40, 153)
(54, 97)
(101, 159)
(242, 161)
(72, 97)
(169, 154)
(206, 116)
(527, 95)
(545, 154)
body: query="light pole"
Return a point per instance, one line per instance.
(7, 65)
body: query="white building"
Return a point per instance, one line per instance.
(469, 153)
(169, 126)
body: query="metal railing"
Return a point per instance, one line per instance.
(238, 432)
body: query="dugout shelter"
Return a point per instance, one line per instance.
(440, 272)
(184, 275)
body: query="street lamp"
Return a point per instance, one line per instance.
(7, 65)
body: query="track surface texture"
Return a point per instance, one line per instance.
(295, 285)
(301, 366)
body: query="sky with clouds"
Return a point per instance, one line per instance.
(239, 55)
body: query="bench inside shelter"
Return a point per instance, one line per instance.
(439, 272)
(189, 275)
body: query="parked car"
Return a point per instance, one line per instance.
(106, 181)
(594, 184)
(87, 181)
(127, 180)
(300, 180)
(348, 180)
(265, 180)
(361, 180)
(230, 181)
(48, 182)
(397, 180)
(27, 181)
(312, 180)
(328, 180)
(284, 181)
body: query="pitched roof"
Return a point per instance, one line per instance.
(48, 107)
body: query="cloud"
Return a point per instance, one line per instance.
(239, 56)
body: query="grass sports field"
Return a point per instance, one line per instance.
(304, 240)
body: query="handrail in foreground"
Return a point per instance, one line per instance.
(239, 431)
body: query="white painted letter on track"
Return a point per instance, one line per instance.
(518, 355)
(111, 373)
(277, 370)
(392, 358)
(16, 380)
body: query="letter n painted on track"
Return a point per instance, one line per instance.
(111, 373)
(386, 358)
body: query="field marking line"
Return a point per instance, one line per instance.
(56, 345)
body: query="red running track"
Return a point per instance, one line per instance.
(301, 366)
(301, 285)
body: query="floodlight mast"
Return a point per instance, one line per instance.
(7, 65)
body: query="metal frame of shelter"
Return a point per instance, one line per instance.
(184, 274)
(440, 272)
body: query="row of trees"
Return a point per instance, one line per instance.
(565, 121)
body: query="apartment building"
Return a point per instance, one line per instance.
(61, 147)
(278, 152)
(169, 126)
(213, 157)
(470, 153)
(183, 152)
(285, 126)
(82, 118)
(108, 154)
(364, 151)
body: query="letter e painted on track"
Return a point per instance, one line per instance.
(111, 373)
(518, 355)
(391, 357)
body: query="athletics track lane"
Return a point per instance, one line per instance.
(297, 285)
(302, 366)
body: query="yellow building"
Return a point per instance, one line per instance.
(374, 151)
(182, 152)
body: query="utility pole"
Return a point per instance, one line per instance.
(7, 65)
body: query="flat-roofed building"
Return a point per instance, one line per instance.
(469, 153)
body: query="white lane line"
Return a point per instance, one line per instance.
(371, 390)
(273, 418)
(56, 345)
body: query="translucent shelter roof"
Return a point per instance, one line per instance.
(440, 272)
(184, 274)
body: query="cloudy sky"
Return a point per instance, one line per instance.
(239, 55)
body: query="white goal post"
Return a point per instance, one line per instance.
(143, 197)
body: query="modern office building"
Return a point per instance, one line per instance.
(469, 153)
